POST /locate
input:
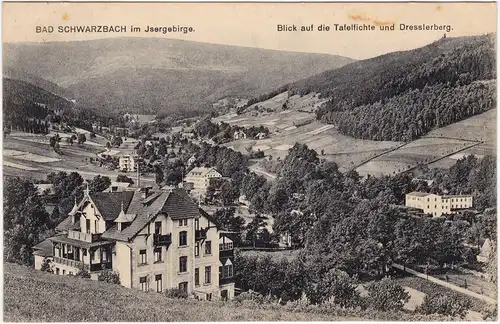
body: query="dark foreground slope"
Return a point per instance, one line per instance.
(34, 296)
(162, 75)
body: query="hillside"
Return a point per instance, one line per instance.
(23, 101)
(403, 95)
(42, 297)
(161, 75)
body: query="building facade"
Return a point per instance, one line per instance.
(128, 163)
(437, 205)
(154, 240)
(200, 178)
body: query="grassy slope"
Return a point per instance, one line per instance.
(162, 74)
(31, 295)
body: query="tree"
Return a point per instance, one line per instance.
(25, 220)
(81, 139)
(445, 304)
(254, 229)
(124, 178)
(82, 272)
(47, 266)
(99, 184)
(337, 285)
(109, 276)
(159, 176)
(386, 295)
(117, 141)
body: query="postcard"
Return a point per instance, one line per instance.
(230, 162)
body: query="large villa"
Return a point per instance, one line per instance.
(154, 240)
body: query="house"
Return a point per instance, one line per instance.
(42, 251)
(118, 186)
(187, 135)
(485, 252)
(437, 205)
(261, 136)
(239, 135)
(200, 178)
(285, 240)
(154, 240)
(191, 160)
(128, 163)
(45, 188)
(429, 182)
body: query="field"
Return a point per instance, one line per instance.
(439, 148)
(31, 155)
(346, 151)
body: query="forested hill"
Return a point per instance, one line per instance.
(154, 75)
(25, 104)
(403, 95)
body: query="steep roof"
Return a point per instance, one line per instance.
(43, 248)
(109, 203)
(66, 224)
(418, 194)
(176, 204)
(200, 171)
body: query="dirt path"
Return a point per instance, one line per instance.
(446, 284)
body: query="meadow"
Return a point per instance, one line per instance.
(34, 296)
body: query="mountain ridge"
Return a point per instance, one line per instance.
(116, 74)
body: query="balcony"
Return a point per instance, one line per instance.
(225, 281)
(200, 235)
(101, 266)
(70, 263)
(226, 253)
(86, 237)
(162, 240)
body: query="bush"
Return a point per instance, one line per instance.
(250, 295)
(336, 286)
(176, 293)
(386, 295)
(47, 266)
(82, 273)
(444, 304)
(109, 276)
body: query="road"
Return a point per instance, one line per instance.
(260, 171)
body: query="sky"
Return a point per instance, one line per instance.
(255, 24)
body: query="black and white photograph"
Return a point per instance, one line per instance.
(249, 162)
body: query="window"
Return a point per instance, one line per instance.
(57, 271)
(87, 225)
(104, 256)
(158, 283)
(183, 286)
(197, 249)
(71, 273)
(197, 276)
(143, 257)
(208, 247)
(180, 222)
(183, 222)
(196, 224)
(228, 271)
(143, 283)
(158, 254)
(95, 226)
(183, 264)
(209, 296)
(208, 274)
(226, 246)
(64, 272)
(157, 227)
(183, 238)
